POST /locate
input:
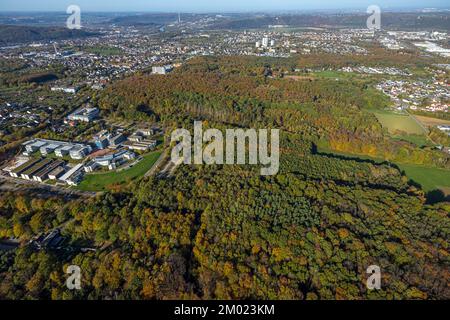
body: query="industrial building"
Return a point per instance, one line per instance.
(112, 161)
(140, 144)
(35, 169)
(138, 141)
(101, 140)
(85, 114)
(21, 166)
(29, 173)
(74, 176)
(48, 148)
(72, 90)
(43, 174)
(34, 145)
(61, 149)
(117, 140)
(56, 173)
(80, 152)
(162, 70)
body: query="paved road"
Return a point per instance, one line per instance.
(168, 170)
(158, 164)
(426, 130)
(13, 185)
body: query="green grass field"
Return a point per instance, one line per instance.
(429, 178)
(336, 74)
(101, 181)
(396, 122)
(418, 140)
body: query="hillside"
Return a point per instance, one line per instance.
(10, 35)
(408, 21)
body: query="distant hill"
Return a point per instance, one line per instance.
(151, 19)
(10, 35)
(409, 21)
(145, 19)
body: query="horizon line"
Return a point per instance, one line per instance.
(352, 8)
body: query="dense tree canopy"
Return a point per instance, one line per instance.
(226, 232)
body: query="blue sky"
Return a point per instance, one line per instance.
(211, 5)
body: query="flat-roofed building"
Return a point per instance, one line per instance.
(117, 140)
(49, 148)
(19, 161)
(63, 151)
(28, 174)
(162, 69)
(16, 172)
(72, 90)
(53, 240)
(56, 173)
(74, 176)
(135, 138)
(145, 132)
(444, 128)
(112, 161)
(101, 140)
(104, 161)
(34, 146)
(80, 152)
(42, 174)
(129, 156)
(61, 148)
(91, 166)
(143, 145)
(84, 114)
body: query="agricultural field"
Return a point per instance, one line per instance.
(101, 181)
(396, 123)
(431, 122)
(429, 178)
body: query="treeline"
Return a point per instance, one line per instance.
(12, 34)
(25, 76)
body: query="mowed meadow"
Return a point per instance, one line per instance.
(395, 123)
